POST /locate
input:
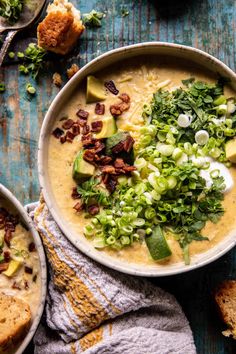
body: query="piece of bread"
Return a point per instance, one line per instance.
(15, 319)
(225, 298)
(61, 28)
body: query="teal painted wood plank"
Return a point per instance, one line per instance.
(206, 24)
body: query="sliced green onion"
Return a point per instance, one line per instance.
(183, 121)
(111, 240)
(165, 150)
(201, 137)
(219, 100)
(215, 173)
(172, 182)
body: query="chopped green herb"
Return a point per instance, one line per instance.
(11, 9)
(11, 55)
(167, 190)
(30, 89)
(124, 12)
(2, 87)
(23, 69)
(20, 54)
(93, 19)
(90, 192)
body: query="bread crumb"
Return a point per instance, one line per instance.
(72, 71)
(61, 28)
(57, 80)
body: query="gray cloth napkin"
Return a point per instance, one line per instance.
(93, 309)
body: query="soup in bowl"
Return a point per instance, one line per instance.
(136, 159)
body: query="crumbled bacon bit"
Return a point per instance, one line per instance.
(96, 126)
(118, 148)
(89, 155)
(7, 237)
(7, 256)
(128, 143)
(87, 140)
(86, 129)
(75, 194)
(93, 209)
(26, 285)
(111, 185)
(3, 267)
(81, 122)
(100, 108)
(128, 168)
(105, 160)
(57, 133)
(124, 97)
(15, 285)
(82, 114)
(76, 130)
(108, 169)
(10, 226)
(99, 146)
(110, 85)
(105, 178)
(28, 270)
(78, 206)
(63, 139)
(119, 163)
(118, 108)
(32, 247)
(69, 136)
(67, 124)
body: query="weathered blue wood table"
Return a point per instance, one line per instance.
(206, 24)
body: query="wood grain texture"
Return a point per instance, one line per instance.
(206, 24)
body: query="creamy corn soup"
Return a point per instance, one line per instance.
(139, 80)
(19, 266)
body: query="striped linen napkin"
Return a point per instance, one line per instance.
(93, 309)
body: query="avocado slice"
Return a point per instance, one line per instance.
(116, 139)
(13, 267)
(109, 128)
(82, 170)
(95, 90)
(230, 150)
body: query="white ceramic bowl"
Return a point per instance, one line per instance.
(149, 49)
(20, 210)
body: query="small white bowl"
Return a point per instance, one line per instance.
(149, 49)
(20, 210)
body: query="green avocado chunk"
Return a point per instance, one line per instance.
(95, 90)
(109, 128)
(157, 245)
(116, 139)
(82, 170)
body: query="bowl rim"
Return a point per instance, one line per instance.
(6, 193)
(43, 184)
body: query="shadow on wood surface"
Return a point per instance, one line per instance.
(175, 8)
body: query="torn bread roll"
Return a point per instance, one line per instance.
(61, 28)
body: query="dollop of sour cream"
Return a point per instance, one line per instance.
(214, 166)
(223, 172)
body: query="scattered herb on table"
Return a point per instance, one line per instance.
(124, 12)
(93, 19)
(30, 89)
(11, 9)
(33, 60)
(2, 87)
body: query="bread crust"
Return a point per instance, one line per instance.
(225, 297)
(58, 32)
(15, 318)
